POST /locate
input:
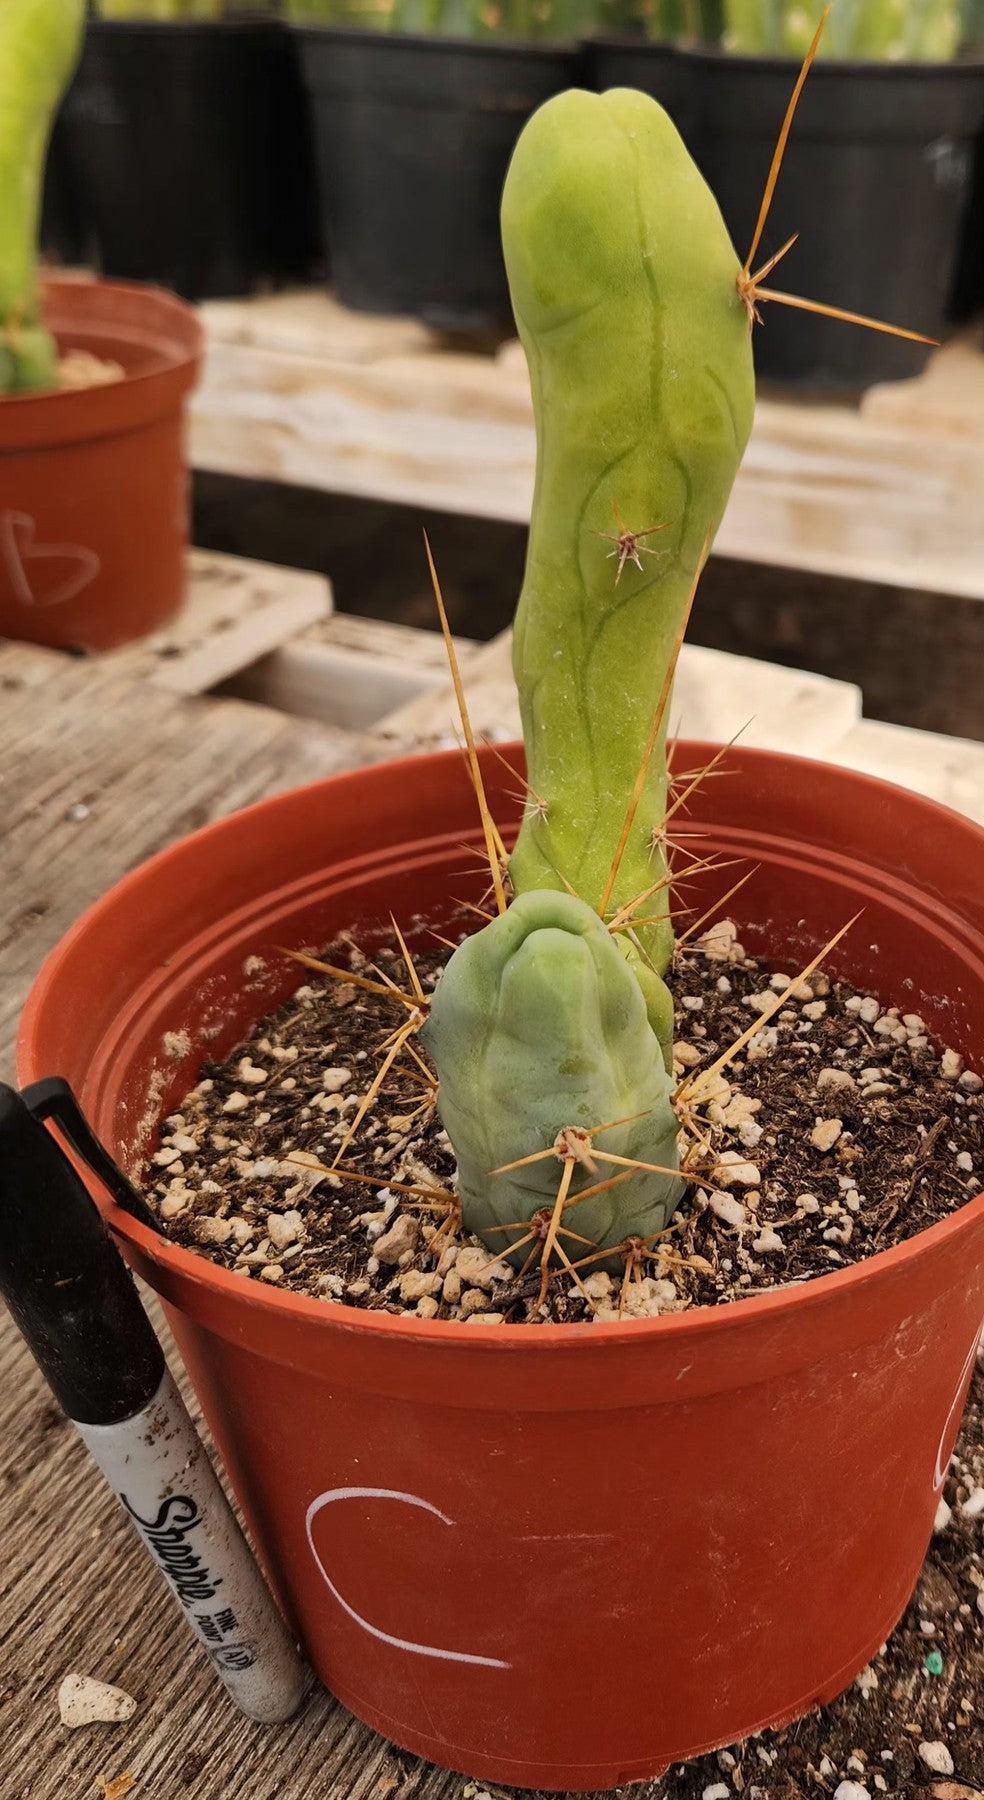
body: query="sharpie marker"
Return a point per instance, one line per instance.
(73, 1298)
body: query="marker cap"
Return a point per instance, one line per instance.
(67, 1287)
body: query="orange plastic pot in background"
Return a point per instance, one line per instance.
(94, 502)
(558, 1556)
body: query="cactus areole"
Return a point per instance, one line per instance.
(624, 286)
(39, 45)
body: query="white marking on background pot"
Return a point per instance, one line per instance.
(331, 1497)
(19, 548)
(942, 1454)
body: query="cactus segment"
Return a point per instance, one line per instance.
(537, 1025)
(39, 44)
(623, 281)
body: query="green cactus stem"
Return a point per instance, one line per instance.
(39, 45)
(869, 30)
(537, 1026)
(552, 1018)
(623, 281)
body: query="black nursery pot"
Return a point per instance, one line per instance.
(413, 136)
(967, 298)
(660, 70)
(64, 234)
(187, 141)
(876, 180)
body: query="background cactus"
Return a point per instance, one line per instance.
(39, 45)
(687, 22)
(623, 282)
(518, 21)
(178, 11)
(871, 30)
(973, 32)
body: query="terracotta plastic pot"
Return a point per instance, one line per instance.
(561, 1556)
(94, 500)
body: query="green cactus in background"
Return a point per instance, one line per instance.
(164, 11)
(556, 1015)
(39, 45)
(687, 22)
(177, 11)
(520, 21)
(360, 15)
(870, 30)
(973, 30)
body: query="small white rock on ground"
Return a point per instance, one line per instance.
(936, 1757)
(85, 1701)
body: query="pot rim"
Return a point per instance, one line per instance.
(187, 1267)
(858, 67)
(824, 67)
(564, 50)
(172, 339)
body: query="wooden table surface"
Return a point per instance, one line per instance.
(101, 764)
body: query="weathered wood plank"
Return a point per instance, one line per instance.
(235, 611)
(349, 671)
(99, 772)
(300, 319)
(948, 769)
(945, 399)
(887, 493)
(715, 696)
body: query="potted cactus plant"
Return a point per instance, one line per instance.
(562, 1555)
(93, 376)
(415, 111)
(188, 136)
(876, 184)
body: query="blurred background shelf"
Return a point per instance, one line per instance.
(301, 391)
(235, 611)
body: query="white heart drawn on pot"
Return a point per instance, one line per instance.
(952, 1417)
(19, 549)
(331, 1497)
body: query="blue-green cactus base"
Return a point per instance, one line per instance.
(538, 1024)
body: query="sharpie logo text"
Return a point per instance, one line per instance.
(167, 1537)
